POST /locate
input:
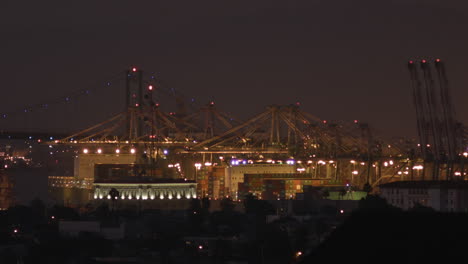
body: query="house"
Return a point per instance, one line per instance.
(443, 196)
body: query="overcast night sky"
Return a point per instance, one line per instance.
(343, 60)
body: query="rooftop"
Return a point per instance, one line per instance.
(426, 184)
(144, 180)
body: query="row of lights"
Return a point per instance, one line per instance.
(289, 162)
(99, 151)
(152, 197)
(292, 161)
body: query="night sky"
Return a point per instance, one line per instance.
(343, 60)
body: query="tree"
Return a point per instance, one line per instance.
(367, 188)
(88, 208)
(258, 207)
(38, 210)
(275, 245)
(419, 208)
(375, 202)
(328, 210)
(64, 213)
(194, 206)
(205, 204)
(249, 203)
(194, 213)
(300, 238)
(321, 227)
(102, 211)
(342, 193)
(8, 257)
(20, 215)
(325, 194)
(114, 195)
(227, 205)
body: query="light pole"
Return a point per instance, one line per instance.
(197, 167)
(465, 155)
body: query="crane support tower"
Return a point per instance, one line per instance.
(439, 133)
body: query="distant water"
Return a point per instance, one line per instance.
(30, 183)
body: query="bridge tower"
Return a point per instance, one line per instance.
(134, 104)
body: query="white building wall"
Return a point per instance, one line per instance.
(146, 191)
(440, 199)
(434, 197)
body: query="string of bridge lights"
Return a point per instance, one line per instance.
(73, 96)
